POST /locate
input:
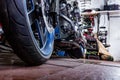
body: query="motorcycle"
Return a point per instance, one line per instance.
(33, 27)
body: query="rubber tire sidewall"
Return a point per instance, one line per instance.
(20, 36)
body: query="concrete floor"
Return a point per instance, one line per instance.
(11, 68)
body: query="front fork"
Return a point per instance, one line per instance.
(54, 12)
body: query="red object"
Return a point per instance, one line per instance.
(90, 30)
(92, 20)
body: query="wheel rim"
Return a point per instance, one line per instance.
(41, 29)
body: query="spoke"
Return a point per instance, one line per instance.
(32, 17)
(40, 34)
(31, 10)
(45, 12)
(41, 30)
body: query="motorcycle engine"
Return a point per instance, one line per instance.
(66, 29)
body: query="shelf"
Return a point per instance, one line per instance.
(100, 12)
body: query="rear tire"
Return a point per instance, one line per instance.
(27, 33)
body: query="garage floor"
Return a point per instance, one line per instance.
(11, 68)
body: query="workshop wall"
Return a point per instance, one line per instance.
(112, 26)
(97, 3)
(114, 37)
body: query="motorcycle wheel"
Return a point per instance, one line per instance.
(29, 32)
